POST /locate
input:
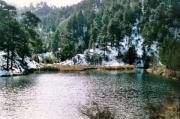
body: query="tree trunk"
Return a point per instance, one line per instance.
(12, 58)
(23, 53)
(23, 59)
(7, 61)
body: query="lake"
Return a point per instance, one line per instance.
(61, 95)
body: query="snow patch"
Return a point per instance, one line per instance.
(81, 59)
(31, 64)
(17, 68)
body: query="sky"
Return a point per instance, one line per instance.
(58, 3)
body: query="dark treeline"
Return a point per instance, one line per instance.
(18, 34)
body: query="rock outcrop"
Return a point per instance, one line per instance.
(18, 68)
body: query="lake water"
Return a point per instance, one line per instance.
(61, 95)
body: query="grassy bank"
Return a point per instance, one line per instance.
(68, 68)
(58, 67)
(165, 72)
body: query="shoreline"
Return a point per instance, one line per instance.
(72, 68)
(26, 72)
(58, 67)
(164, 72)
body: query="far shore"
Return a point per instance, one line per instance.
(71, 68)
(162, 70)
(59, 67)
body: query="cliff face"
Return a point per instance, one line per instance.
(164, 71)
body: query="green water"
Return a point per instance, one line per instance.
(61, 95)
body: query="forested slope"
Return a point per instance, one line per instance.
(143, 32)
(99, 23)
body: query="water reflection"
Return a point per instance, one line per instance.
(12, 90)
(15, 83)
(60, 95)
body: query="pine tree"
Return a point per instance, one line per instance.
(29, 22)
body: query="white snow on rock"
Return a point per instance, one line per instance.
(80, 59)
(67, 62)
(124, 45)
(111, 53)
(137, 39)
(154, 49)
(31, 64)
(17, 68)
(113, 63)
(48, 55)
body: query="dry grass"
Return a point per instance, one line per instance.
(165, 110)
(164, 71)
(121, 68)
(58, 67)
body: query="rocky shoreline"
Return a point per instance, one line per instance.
(165, 72)
(18, 68)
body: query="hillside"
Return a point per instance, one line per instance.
(147, 30)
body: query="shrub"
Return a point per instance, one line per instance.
(94, 59)
(49, 60)
(35, 58)
(95, 111)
